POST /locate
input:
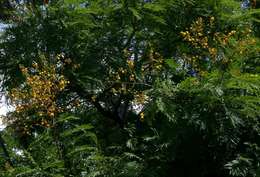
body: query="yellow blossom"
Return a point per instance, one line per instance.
(130, 63)
(142, 116)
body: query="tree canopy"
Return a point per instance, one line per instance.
(125, 88)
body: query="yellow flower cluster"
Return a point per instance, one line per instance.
(142, 116)
(156, 60)
(130, 64)
(195, 35)
(128, 79)
(123, 78)
(123, 82)
(222, 38)
(202, 37)
(38, 93)
(244, 45)
(140, 98)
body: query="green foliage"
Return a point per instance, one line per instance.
(142, 100)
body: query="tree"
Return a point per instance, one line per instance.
(132, 88)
